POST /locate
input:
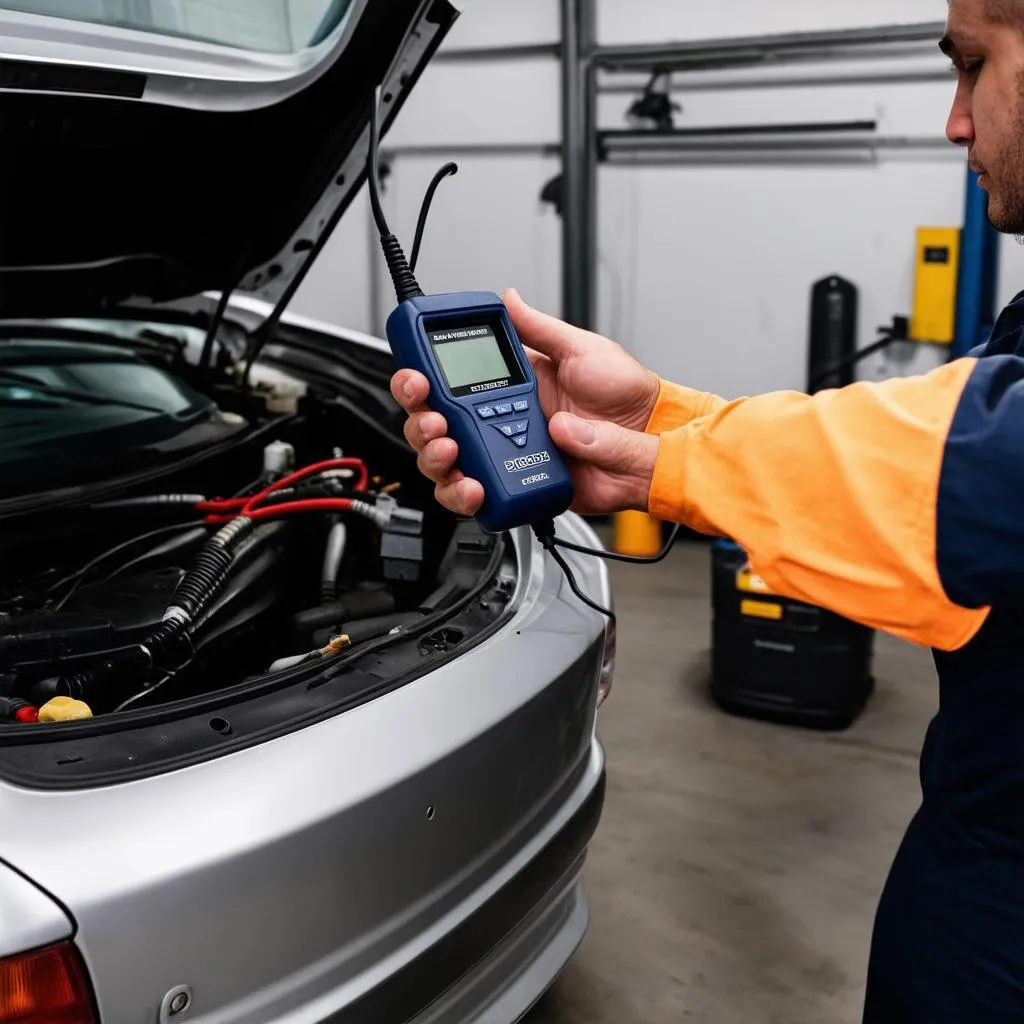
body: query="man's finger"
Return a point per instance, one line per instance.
(423, 427)
(545, 333)
(437, 459)
(410, 389)
(460, 494)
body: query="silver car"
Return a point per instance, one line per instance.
(280, 738)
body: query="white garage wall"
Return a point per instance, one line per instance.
(705, 272)
(487, 228)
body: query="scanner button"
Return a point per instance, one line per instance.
(485, 412)
(503, 410)
(506, 428)
(521, 406)
(520, 441)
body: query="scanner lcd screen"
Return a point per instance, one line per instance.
(470, 356)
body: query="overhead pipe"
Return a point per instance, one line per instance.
(797, 129)
(777, 49)
(822, 143)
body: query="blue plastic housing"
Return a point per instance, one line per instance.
(502, 444)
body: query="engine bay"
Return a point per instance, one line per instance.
(303, 538)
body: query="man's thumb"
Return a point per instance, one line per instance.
(604, 445)
(542, 332)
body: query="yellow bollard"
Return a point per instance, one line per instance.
(637, 533)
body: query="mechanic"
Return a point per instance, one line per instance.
(898, 504)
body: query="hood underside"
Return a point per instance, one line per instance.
(185, 166)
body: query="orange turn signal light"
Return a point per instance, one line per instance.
(46, 985)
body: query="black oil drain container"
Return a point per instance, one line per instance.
(780, 660)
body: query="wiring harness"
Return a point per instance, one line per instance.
(337, 485)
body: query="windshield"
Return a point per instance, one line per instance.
(268, 26)
(75, 409)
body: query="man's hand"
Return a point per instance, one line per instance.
(597, 397)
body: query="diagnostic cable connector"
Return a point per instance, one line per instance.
(545, 534)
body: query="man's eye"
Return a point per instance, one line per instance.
(967, 69)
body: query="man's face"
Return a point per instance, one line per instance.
(988, 110)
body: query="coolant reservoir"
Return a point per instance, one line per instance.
(278, 458)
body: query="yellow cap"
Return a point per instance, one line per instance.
(64, 709)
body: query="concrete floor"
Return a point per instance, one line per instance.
(737, 868)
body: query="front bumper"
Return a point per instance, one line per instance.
(503, 956)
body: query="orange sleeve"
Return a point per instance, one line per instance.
(834, 496)
(677, 406)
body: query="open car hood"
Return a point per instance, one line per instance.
(148, 161)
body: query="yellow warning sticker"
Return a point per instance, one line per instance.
(750, 583)
(761, 610)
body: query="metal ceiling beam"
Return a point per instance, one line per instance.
(754, 50)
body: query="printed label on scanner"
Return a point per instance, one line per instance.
(473, 332)
(526, 462)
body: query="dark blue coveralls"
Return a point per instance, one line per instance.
(948, 943)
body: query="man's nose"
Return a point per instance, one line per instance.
(960, 126)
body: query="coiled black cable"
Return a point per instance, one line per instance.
(404, 280)
(406, 285)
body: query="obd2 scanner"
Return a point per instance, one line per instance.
(481, 381)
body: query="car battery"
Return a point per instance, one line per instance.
(782, 660)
